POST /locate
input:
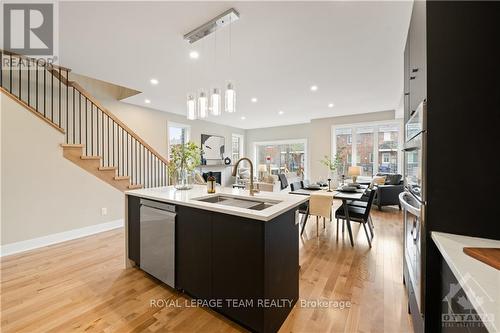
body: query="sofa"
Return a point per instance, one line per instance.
(269, 183)
(388, 193)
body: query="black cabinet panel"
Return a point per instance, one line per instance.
(282, 267)
(134, 230)
(193, 251)
(406, 80)
(417, 55)
(237, 266)
(242, 264)
(453, 63)
(463, 118)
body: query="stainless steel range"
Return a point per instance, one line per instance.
(413, 202)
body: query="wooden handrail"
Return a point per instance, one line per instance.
(115, 119)
(58, 73)
(31, 109)
(9, 53)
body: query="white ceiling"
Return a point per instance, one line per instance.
(353, 51)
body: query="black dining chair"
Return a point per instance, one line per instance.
(283, 180)
(363, 203)
(360, 215)
(303, 208)
(296, 186)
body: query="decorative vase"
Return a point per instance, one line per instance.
(334, 179)
(183, 180)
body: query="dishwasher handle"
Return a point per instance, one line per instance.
(158, 205)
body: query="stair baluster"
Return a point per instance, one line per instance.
(118, 150)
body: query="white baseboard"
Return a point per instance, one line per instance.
(38, 242)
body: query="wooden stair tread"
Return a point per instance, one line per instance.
(135, 186)
(72, 145)
(122, 178)
(88, 157)
(109, 168)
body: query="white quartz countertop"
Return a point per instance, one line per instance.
(480, 281)
(187, 198)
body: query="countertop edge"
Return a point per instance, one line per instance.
(218, 209)
(439, 239)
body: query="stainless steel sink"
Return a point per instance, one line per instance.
(241, 202)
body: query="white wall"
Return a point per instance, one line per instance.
(318, 135)
(42, 193)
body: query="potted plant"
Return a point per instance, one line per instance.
(333, 164)
(184, 159)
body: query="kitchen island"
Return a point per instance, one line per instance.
(237, 253)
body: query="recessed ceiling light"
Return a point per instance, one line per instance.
(147, 101)
(254, 99)
(194, 55)
(154, 82)
(314, 88)
(243, 118)
(280, 112)
(331, 105)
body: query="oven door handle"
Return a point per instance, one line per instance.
(416, 228)
(407, 206)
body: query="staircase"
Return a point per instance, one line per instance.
(95, 139)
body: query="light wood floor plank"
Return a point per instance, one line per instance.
(82, 286)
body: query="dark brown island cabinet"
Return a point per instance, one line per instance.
(245, 269)
(451, 62)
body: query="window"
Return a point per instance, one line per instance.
(388, 142)
(237, 147)
(364, 149)
(282, 156)
(375, 148)
(343, 148)
(177, 134)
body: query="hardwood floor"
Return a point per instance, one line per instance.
(81, 285)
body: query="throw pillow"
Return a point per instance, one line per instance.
(377, 180)
(393, 179)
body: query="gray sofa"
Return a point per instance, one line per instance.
(388, 194)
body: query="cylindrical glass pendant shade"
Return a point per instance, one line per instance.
(215, 99)
(191, 107)
(202, 105)
(230, 98)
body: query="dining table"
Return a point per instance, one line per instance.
(336, 194)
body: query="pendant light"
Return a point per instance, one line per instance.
(215, 98)
(230, 94)
(191, 107)
(230, 98)
(202, 105)
(206, 102)
(215, 107)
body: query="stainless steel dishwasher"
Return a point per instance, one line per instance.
(157, 229)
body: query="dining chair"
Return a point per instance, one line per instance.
(283, 180)
(358, 214)
(363, 203)
(303, 208)
(296, 186)
(320, 205)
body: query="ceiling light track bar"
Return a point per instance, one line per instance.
(218, 22)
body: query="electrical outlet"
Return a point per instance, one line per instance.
(104, 211)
